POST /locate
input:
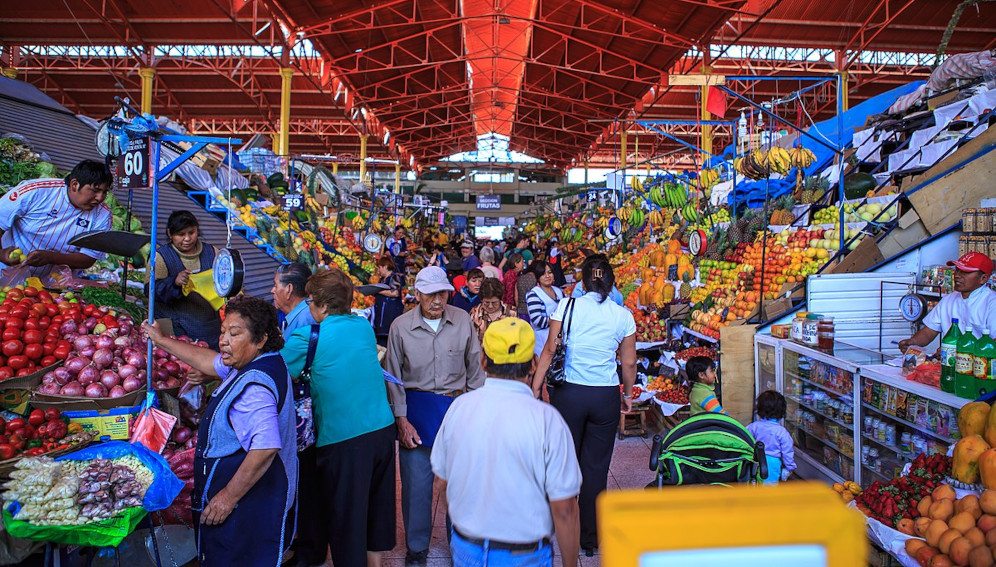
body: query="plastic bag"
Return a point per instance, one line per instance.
(105, 533)
(165, 485)
(192, 394)
(152, 428)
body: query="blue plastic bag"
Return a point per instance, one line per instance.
(165, 485)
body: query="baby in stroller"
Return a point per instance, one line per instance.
(708, 448)
(778, 448)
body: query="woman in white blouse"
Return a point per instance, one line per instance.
(600, 333)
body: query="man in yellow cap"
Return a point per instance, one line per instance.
(506, 463)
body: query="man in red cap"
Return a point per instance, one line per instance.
(972, 302)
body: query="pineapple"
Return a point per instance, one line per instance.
(717, 245)
(686, 287)
(783, 213)
(736, 231)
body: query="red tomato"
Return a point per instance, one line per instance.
(47, 361)
(44, 322)
(51, 310)
(15, 294)
(5, 373)
(10, 333)
(62, 352)
(16, 423)
(39, 310)
(26, 371)
(50, 414)
(48, 349)
(19, 313)
(32, 324)
(6, 451)
(58, 319)
(30, 291)
(12, 347)
(33, 337)
(89, 309)
(13, 322)
(44, 296)
(36, 417)
(17, 442)
(34, 351)
(17, 362)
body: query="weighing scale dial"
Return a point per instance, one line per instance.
(697, 242)
(372, 243)
(913, 307)
(107, 143)
(228, 272)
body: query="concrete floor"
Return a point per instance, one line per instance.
(628, 470)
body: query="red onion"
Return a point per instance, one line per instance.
(89, 375)
(88, 352)
(68, 328)
(171, 368)
(62, 375)
(109, 379)
(131, 384)
(74, 365)
(104, 309)
(49, 378)
(82, 341)
(170, 382)
(126, 371)
(123, 341)
(89, 323)
(96, 390)
(102, 358)
(104, 341)
(182, 434)
(159, 353)
(73, 388)
(50, 389)
(117, 392)
(191, 443)
(135, 359)
(159, 374)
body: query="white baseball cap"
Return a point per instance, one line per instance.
(432, 279)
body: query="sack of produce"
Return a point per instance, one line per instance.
(94, 497)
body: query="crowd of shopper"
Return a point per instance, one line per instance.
(455, 359)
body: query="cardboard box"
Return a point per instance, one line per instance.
(110, 424)
(71, 403)
(902, 239)
(866, 255)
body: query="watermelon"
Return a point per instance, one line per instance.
(858, 184)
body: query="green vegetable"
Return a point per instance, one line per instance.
(111, 298)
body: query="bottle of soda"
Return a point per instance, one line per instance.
(985, 353)
(965, 365)
(949, 349)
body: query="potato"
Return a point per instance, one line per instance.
(986, 522)
(947, 538)
(987, 501)
(942, 510)
(962, 521)
(960, 548)
(913, 545)
(980, 557)
(976, 536)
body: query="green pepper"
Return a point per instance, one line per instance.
(34, 443)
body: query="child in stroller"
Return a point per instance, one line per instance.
(708, 448)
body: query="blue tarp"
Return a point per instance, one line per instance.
(753, 192)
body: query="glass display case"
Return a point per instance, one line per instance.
(851, 415)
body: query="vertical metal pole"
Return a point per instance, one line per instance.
(152, 256)
(840, 147)
(147, 74)
(285, 97)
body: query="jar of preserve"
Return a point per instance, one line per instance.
(810, 333)
(968, 221)
(984, 220)
(825, 334)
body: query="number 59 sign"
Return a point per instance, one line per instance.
(135, 165)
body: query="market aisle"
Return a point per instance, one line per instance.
(628, 470)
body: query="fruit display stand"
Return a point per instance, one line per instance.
(852, 416)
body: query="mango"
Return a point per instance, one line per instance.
(965, 462)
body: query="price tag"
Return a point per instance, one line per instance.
(292, 202)
(672, 272)
(134, 169)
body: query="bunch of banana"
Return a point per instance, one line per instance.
(623, 214)
(690, 212)
(657, 196)
(802, 157)
(557, 225)
(407, 223)
(708, 177)
(753, 165)
(636, 218)
(779, 160)
(657, 219)
(571, 234)
(675, 196)
(602, 222)
(359, 222)
(636, 184)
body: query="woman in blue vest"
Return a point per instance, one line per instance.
(183, 255)
(245, 466)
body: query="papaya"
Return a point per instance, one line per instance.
(990, 430)
(965, 462)
(987, 469)
(973, 419)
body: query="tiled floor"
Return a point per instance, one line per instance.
(628, 470)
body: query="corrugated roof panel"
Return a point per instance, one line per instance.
(66, 140)
(21, 91)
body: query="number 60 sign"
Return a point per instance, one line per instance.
(134, 169)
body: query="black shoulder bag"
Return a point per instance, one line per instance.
(556, 374)
(302, 396)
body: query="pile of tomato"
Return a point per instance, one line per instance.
(35, 435)
(31, 340)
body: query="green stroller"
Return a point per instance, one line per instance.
(707, 449)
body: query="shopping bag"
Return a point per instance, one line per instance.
(152, 428)
(202, 283)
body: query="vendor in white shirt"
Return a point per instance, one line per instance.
(39, 218)
(972, 302)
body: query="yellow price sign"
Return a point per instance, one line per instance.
(798, 524)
